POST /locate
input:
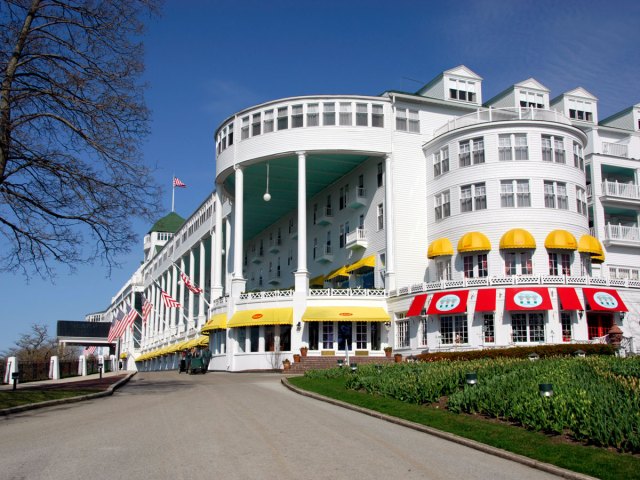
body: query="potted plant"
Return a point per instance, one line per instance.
(397, 358)
(303, 351)
(286, 363)
(296, 358)
(387, 351)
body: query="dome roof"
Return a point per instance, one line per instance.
(170, 223)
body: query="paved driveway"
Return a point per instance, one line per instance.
(227, 426)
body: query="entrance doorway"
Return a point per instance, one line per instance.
(598, 324)
(344, 335)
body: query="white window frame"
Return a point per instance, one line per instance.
(442, 205)
(474, 195)
(441, 161)
(403, 338)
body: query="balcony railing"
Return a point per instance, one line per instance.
(621, 190)
(357, 239)
(325, 216)
(621, 233)
(357, 198)
(615, 149)
(502, 115)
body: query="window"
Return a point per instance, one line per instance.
(527, 327)
(467, 265)
(313, 116)
(565, 322)
(327, 248)
(553, 149)
(470, 262)
(380, 216)
(473, 197)
(424, 331)
(585, 264)
(342, 237)
(441, 161)
(488, 328)
(518, 263)
(515, 193)
(315, 213)
(504, 148)
(254, 338)
(362, 115)
(230, 135)
(513, 146)
(453, 329)
(244, 130)
(297, 119)
(555, 195)
(345, 114)
(361, 335)
(581, 201)
(559, 263)
(377, 116)
(580, 110)
(342, 199)
(471, 152)
(442, 205)
(531, 99)
(578, 156)
(402, 331)
(242, 339)
(328, 113)
(407, 120)
(314, 335)
(315, 247)
(255, 124)
(483, 267)
(283, 118)
(327, 335)
(443, 269)
(624, 273)
(267, 126)
(380, 175)
(464, 90)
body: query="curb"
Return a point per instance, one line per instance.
(50, 403)
(529, 462)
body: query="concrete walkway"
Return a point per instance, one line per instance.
(232, 426)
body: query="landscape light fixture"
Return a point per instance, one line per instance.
(546, 390)
(354, 367)
(580, 353)
(472, 378)
(533, 356)
(267, 196)
(340, 363)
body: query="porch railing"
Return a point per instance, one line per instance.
(622, 190)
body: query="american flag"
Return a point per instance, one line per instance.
(115, 326)
(147, 306)
(189, 284)
(90, 350)
(122, 325)
(168, 300)
(178, 183)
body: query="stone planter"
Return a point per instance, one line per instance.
(397, 358)
(303, 351)
(296, 358)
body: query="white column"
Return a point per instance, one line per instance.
(181, 299)
(201, 284)
(390, 279)
(302, 274)
(238, 282)
(174, 294)
(228, 247)
(192, 273)
(216, 278)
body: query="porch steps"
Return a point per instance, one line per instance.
(325, 362)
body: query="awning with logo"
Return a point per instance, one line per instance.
(417, 305)
(217, 322)
(474, 242)
(569, 299)
(445, 303)
(486, 300)
(265, 316)
(604, 299)
(528, 298)
(560, 240)
(345, 314)
(517, 238)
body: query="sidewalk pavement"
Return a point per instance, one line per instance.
(104, 386)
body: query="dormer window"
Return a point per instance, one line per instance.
(531, 99)
(580, 110)
(463, 90)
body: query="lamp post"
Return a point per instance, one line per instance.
(14, 377)
(100, 369)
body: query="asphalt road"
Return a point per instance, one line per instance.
(227, 426)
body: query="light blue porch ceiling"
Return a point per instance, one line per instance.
(322, 171)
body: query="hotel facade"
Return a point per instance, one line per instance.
(426, 221)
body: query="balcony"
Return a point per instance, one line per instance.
(357, 198)
(615, 149)
(621, 235)
(256, 257)
(325, 216)
(620, 191)
(357, 239)
(274, 278)
(325, 254)
(502, 115)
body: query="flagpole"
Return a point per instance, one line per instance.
(202, 293)
(173, 193)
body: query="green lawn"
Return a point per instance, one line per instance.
(10, 398)
(598, 462)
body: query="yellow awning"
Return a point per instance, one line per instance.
(200, 341)
(560, 240)
(366, 262)
(589, 244)
(216, 322)
(317, 281)
(345, 314)
(141, 357)
(517, 238)
(176, 347)
(597, 258)
(474, 242)
(339, 272)
(265, 316)
(440, 248)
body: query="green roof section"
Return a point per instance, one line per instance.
(170, 223)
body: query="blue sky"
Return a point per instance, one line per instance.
(208, 59)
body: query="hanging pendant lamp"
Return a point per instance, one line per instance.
(267, 196)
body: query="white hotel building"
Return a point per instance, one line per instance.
(426, 221)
